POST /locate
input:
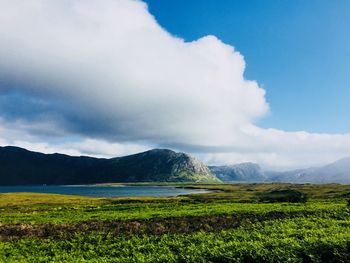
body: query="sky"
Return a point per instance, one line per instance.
(298, 50)
(227, 81)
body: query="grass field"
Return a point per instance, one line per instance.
(231, 225)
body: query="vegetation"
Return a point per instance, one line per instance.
(289, 195)
(231, 225)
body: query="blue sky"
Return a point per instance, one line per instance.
(298, 50)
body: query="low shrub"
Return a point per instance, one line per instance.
(287, 195)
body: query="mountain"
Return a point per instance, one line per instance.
(22, 167)
(247, 172)
(19, 166)
(337, 172)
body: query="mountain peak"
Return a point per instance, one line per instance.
(158, 152)
(168, 165)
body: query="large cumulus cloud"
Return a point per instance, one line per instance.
(105, 71)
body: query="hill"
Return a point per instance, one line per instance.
(337, 172)
(246, 172)
(19, 166)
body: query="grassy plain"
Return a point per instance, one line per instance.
(230, 225)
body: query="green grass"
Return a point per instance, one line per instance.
(226, 226)
(114, 210)
(293, 240)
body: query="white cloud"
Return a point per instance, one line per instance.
(277, 149)
(16, 134)
(106, 71)
(113, 66)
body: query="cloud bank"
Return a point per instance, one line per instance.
(104, 78)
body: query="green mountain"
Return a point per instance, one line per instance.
(22, 167)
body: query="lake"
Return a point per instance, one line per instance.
(104, 191)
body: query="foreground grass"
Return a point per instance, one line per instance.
(226, 226)
(291, 240)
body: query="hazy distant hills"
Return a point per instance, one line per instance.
(21, 167)
(337, 172)
(247, 172)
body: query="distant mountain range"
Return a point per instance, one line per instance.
(19, 166)
(247, 172)
(22, 167)
(337, 172)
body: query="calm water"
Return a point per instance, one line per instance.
(104, 191)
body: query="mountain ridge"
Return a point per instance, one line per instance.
(248, 172)
(336, 172)
(20, 166)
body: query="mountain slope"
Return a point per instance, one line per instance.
(337, 172)
(162, 165)
(21, 167)
(247, 172)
